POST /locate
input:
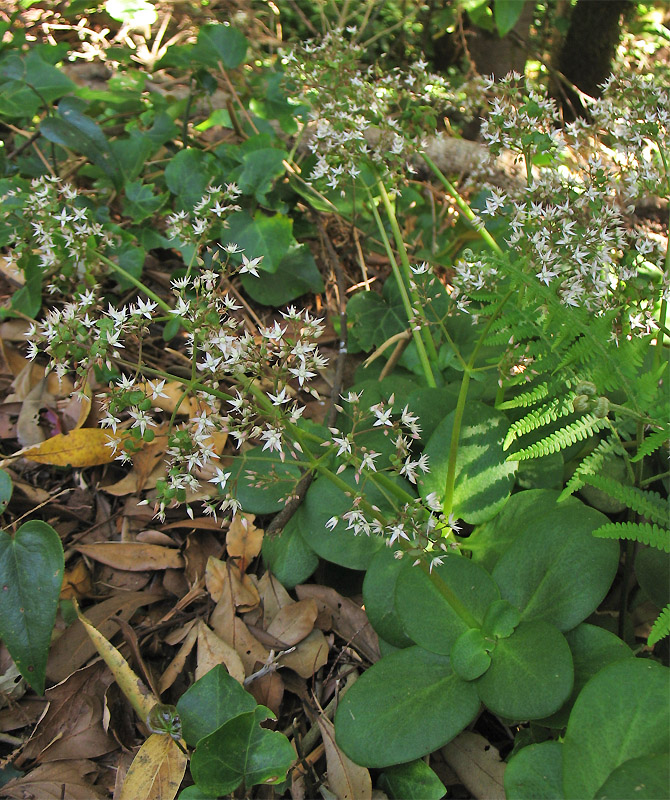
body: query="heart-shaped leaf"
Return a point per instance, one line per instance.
(31, 576)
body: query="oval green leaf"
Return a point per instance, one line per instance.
(531, 673)
(644, 778)
(470, 656)
(288, 556)
(31, 576)
(412, 781)
(405, 706)
(436, 610)
(5, 490)
(622, 713)
(379, 598)
(556, 570)
(535, 773)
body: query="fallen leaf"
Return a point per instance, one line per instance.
(309, 655)
(223, 578)
(477, 763)
(140, 698)
(346, 779)
(28, 428)
(76, 582)
(212, 650)
(349, 619)
(55, 781)
(148, 467)
(273, 596)
(243, 540)
(175, 667)
(229, 627)
(294, 622)
(74, 647)
(268, 691)
(85, 447)
(133, 556)
(176, 399)
(72, 726)
(156, 772)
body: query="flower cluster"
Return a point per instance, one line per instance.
(571, 224)
(361, 114)
(55, 225)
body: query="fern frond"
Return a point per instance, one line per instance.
(550, 412)
(575, 432)
(652, 443)
(647, 504)
(589, 466)
(642, 532)
(526, 399)
(661, 628)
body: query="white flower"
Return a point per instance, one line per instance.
(220, 478)
(249, 265)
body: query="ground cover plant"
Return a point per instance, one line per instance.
(328, 467)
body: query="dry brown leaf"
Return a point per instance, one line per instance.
(76, 409)
(156, 772)
(86, 447)
(188, 407)
(72, 726)
(273, 596)
(133, 556)
(212, 650)
(21, 714)
(155, 537)
(28, 430)
(55, 781)
(199, 547)
(174, 668)
(309, 656)
(268, 691)
(76, 582)
(229, 627)
(349, 619)
(294, 622)
(243, 540)
(346, 779)
(221, 578)
(74, 646)
(477, 763)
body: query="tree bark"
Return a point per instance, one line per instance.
(586, 55)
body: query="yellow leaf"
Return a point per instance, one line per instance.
(243, 540)
(156, 772)
(141, 699)
(84, 447)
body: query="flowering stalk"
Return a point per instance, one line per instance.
(416, 333)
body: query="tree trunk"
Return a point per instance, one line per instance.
(493, 55)
(586, 55)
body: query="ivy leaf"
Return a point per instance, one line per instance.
(31, 576)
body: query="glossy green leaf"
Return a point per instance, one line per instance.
(471, 654)
(490, 540)
(501, 619)
(621, 714)
(262, 480)
(241, 751)
(643, 778)
(556, 570)
(484, 479)
(132, 152)
(288, 556)
(261, 235)
(140, 202)
(296, 274)
(341, 546)
(531, 673)
(592, 649)
(379, 597)
(506, 14)
(6, 488)
(412, 781)
(220, 43)
(188, 174)
(436, 610)
(652, 570)
(30, 82)
(405, 706)
(210, 702)
(535, 773)
(31, 576)
(261, 168)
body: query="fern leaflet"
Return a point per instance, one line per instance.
(577, 431)
(652, 443)
(589, 466)
(647, 504)
(661, 628)
(636, 531)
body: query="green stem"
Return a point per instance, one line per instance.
(448, 502)
(407, 272)
(462, 205)
(418, 341)
(137, 283)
